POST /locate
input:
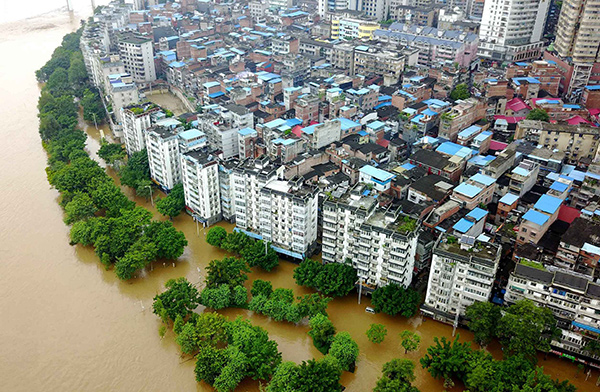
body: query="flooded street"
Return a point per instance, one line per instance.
(70, 325)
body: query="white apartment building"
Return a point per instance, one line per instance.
(123, 92)
(288, 216)
(462, 273)
(247, 180)
(573, 298)
(200, 177)
(162, 144)
(281, 212)
(258, 9)
(222, 126)
(136, 119)
(325, 7)
(226, 189)
(511, 30)
(380, 243)
(378, 9)
(137, 55)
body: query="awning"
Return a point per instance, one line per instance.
(586, 327)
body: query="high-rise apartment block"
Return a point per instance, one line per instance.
(512, 30)
(136, 119)
(381, 243)
(137, 55)
(200, 176)
(577, 39)
(462, 273)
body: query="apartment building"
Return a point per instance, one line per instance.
(137, 54)
(574, 299)
(576, 141)
(523, 177)
(380, 242)
(350, 28)
(322, 135)
(288, 216)
(436, 46)
(462, 115)
(537, 220)
(222, 127)
(478, 189)
(136, 119)
(511, 30)
(162, 144)
(370, 59)
(462, 273)
(579, 248)
(226, 191)
(576, 32)
(200, 177)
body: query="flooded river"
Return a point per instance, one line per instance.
(66, 324)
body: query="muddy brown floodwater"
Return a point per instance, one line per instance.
(66, 324)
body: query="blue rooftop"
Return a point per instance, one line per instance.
(536, 217)
(292, 122)
(376, 173)
(468, 190)
(347, 124)
(548, 204)
(463, 225)
(246, 131)
(509, 199)
(521, 171)
(482, 136)
(468, 132)
(191, 134)
(362, 133)
(559, 186)
(211, 84)
(275, 123)
(483, 179)
(408, 166)
(216, 95)
(477, 214)
(527, 79)
(376, 125)
(429, 112)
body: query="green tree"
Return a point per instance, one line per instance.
(345, 350)
(394, 299)
(233, 372)
(306, 273)
(409, 341)
(180, 298)
(538, 114)
(80, 207)
(170, 242)
(321, 332)
(206, 329)
(58, 83)
(144, 189)
(111, 152)
(376, 333)
(336, 279)
(137, 257)
(461, 91)
(77, 74)
(210, 361)
(229, 271)
(261, 287)
(448, 359)
(398, 374)
(172, 205)
(483, 318)
(216, 235)
(93, 110)
(217, 298)
(254, 343)
(310, 376)
(312, 304)
(525, 328)
(254, 254)
(137, 169)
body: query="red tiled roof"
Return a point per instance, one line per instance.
(577, 119)
(517, 104)
(497, 146)
(568, 214)
(383, 143)
(509, 119)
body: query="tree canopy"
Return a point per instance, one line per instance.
(538, 114)
(332, 279)
(461, 91)
(180, 299)
(376, 333)
(216, 235)
(309, 376)
(483, 319)
(173, 204)
(397, 376)
(394, 299)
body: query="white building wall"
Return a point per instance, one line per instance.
(201, 188)
(133, 130)
(163, 159)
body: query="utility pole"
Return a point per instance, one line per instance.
(69, 6)
(151, 198)
(359, 288)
